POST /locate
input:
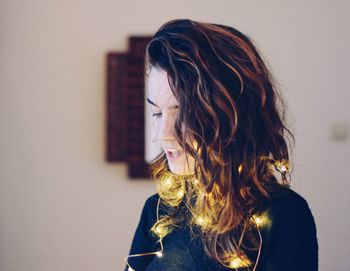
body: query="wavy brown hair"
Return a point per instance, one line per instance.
(229, 106)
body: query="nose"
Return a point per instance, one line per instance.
(166, 128)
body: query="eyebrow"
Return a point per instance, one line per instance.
(170, 107)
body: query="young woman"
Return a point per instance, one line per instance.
(223, 200)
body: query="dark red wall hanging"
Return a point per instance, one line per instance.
(126, 107)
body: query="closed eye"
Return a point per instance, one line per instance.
(157, 115)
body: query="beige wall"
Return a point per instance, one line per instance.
(62, 207)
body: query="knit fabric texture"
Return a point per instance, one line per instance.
(289, 244)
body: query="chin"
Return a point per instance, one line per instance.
(178, 170)
(175, 170)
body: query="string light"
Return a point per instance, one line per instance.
(282, 166)
(203, 222)
(240, 168)
(180, 193)
(157, 253)
(168, 182)
(196, 181)
(162, 227)
(171, 188)
(260, 246)
(261, 220)
(161, 231)
(200, 220)
(237, 262)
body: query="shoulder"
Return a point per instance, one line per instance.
(290, 239)
(151, 201)
(147, 219)
(143, 240)
(285, 199)
(149, 210)
(290, 212)
(286, 204)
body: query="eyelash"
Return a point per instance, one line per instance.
(157, 115)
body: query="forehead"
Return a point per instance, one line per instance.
(158, 88)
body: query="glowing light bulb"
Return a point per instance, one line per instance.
(180, 193)
(161, 230)
(240, 168)
(261, 220)
(168, 182)
(196, 181)
(237, 263)
(201, 194)
(200, 220)
(130, 269)
(159, 253)
(282, 166)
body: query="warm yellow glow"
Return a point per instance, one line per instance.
(261, 220)
(196, 181)
(171, 188)
(282, 165)
(237, 263)
(201, 195)
(162, 227)
(240, 168)
(180, 193)
(168, 182)
(161, 230)
(202, 221)
(283, 168)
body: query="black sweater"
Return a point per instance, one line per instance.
(290, 243)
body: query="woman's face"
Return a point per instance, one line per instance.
(164, 111)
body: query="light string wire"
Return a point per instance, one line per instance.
(260, 244)
(160, 252)
(260, 240)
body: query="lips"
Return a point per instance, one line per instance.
(173, 153)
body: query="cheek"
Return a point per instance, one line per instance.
(154, 128)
